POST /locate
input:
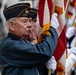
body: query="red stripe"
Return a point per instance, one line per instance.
(65, 2)
(41, 11)
(61, 46)
(73, 3)
(50, 4)
(70, 13)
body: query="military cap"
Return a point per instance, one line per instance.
(17, 10)
(33, 14)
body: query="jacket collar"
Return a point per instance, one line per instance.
(13, 36)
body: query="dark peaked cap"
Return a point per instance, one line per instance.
(17, 10)
(33, 14)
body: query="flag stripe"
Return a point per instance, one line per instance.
(65, 2)
(50, 5)
(60, 49)
(73, 3)
(71, 9)
(41, 11)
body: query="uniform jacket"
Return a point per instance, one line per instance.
(20, 57)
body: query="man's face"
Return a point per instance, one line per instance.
(22, 27)
(33, 33)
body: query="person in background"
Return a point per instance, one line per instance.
(33, 34)
(51, 64)
(70, 34)
(17, 54)
(71, 60)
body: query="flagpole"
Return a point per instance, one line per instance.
(74, 20)
(67, 6)
(53, 10)
(49, 72)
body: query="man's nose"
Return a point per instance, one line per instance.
(29, 25)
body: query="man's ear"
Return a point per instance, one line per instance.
(11, 26)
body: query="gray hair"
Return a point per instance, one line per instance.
(11, 20)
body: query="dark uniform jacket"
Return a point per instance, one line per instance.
(20, 57)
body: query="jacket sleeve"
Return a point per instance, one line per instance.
(18, 53)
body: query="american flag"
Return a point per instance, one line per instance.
(44, 17)
(60, 52)
(44, 14)
(72, 8)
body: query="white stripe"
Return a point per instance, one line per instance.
(46, 16)
(59, 3)
(63, 59)
(61, 20)
(71, 9)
